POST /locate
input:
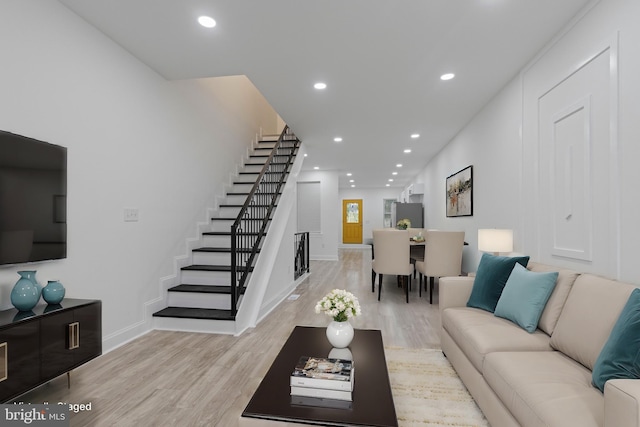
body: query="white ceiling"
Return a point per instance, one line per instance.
(381, 61)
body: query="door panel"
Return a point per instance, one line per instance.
(574, 149)
(352, 221)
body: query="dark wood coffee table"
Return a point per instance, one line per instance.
(372, 403)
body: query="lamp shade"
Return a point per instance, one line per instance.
(495, 240)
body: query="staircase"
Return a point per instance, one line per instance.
(211, 288)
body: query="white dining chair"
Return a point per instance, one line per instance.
(391, 257)
(442, 257)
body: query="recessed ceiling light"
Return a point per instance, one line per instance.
(407, 150)
(388, 185)
(207, 21)
(399, 165)
(349, 174)
(351, 180)
(447, 76)
(415, 135)
(337, 139)
(394, 173)
(353, 185)
(316, 167)
(390, 179)
(305, 154)
(320, 85)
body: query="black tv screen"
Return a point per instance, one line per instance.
(33, 200)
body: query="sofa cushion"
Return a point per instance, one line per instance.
(524, 297)
(493, 272)
(592, 308)
(552, 310)
(545, 389)
(558, 297)
(478, 332)
(620, 356)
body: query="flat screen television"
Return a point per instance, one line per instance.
(33, 200)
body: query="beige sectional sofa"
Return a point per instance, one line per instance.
(542, 378)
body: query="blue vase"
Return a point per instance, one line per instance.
(31, 275)
(53, 293)
(24, 295)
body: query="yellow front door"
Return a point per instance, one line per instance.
(352, 221)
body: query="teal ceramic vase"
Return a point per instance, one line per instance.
(31, 275)
(53, 293)
(25, 295)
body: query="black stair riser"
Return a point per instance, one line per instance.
(212, 268)
(226, 233)
(246, 193)
(265, 156)
(248, 182)
(203, 289)
(234, 218)
(239, 206)
(219, 250)
(257, 173)
(262, 164)
(195, 313)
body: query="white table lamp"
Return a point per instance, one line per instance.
(495, 240)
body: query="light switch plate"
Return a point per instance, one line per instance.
(130, 214)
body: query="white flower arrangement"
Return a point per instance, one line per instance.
(339, 304)
(403, 224)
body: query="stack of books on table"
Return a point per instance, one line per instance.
(323, 378)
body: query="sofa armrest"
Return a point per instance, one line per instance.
(622, 403)
(454, 291)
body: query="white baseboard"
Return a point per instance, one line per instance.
(278, 299)
(323, 258)
(354, 246)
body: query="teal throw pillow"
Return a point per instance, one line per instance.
(620, 356)
(493, 272)
(524, 297)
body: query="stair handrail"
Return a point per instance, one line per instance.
(245, 243)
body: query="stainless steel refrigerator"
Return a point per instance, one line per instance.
(414, 212)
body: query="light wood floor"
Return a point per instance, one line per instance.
(191, 379)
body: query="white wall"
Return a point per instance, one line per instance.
(134, 140)
(491, 143)
(506, 175)
(372, 207)
(595, 63)
(324, 245)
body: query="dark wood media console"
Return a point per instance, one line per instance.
(50, 340)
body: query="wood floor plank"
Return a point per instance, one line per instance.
(167, 378)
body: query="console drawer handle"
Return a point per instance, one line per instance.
(74, 335)
(4, 356)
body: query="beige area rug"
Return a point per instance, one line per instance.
(427, 391)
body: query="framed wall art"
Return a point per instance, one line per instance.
(460, 193)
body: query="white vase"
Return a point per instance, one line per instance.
(340, 334)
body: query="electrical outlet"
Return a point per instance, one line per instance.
(130, 214)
